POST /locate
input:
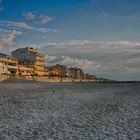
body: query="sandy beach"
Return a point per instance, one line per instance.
(69, 111)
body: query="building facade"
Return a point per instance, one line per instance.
(3, 68)
(31, 59)
(79, 73)
(25, 72)
(30, 64)
(9, 65)
(57, 71)
(75, 73)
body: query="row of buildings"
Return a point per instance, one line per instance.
(30, 64)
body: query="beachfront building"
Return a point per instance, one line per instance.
(93, 77)
(57, 71)
(90, 77)
(71, 72)
(31, 60)
(25, 72)
(79, 73)
(74, 73)
(3, 66)
(68, 72)
(3, 69)
(9, 65)
(48, 72)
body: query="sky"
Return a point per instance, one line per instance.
(100, 36)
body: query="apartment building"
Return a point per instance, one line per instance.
(57, 70)
(8, 65)
(25, 72)
(79, 73)
(3, 68)
(71, 72)
(31, 60)
(74, 73)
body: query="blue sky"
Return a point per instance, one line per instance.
(101, 36)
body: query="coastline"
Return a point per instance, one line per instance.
(61, 80)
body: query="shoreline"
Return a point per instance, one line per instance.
(66, 80)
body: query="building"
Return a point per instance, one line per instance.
(71, 72)
(57, 71)
(79, 73)
(3, 68)
(48, 72)
(3, 71)
(31, 59)
(25, 72)
(9, 65)
(74, 73)
(68, 72)
(90, 77)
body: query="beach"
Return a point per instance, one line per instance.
(32, 110)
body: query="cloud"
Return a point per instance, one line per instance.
(50, 58)
(53, 30)
(45, 19)
(7, 37)
(29, 15)
(120, 59)
(15, 24)
(44, 30)
(72, 62)
(80, 63)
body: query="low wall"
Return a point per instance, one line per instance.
(3, 77)
(50, 80)
(65, 80)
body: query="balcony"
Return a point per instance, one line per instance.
(21, 68)
(39, 68)
(3, 60)
(39, 64)
(12, 67)
(38, 58)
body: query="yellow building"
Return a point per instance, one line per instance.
(9, 65)
(30, 58)
(57, 70)
(39, 66)
(25, 72)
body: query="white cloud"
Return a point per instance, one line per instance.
(119, 58)
(80, 63)
(72, 62)
(50, 58)
(15, 24)
(53, 30)
(29, 15)
(7, 37)
(45, 19)
(104, 44)
(44, 30)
